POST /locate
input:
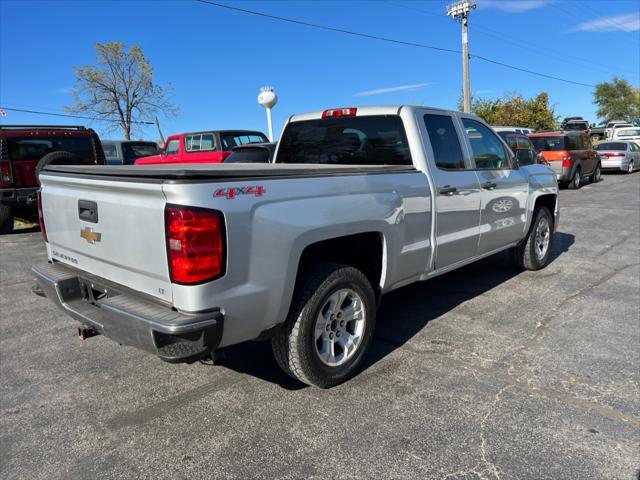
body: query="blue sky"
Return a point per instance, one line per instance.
(217, 59)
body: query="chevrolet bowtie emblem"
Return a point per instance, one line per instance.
(89, 235)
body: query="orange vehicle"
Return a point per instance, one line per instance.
(570, 155)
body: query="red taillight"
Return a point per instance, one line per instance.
(340, 112)
(6, 172)
(195, 244)
(41, 217)
(567, 161)
(615, 155)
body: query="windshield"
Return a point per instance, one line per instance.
(631, 132)
(576, 126)
(611, 146)
(30, 148)
(369, 140)
(550, 144)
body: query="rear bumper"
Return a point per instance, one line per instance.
(622, 164)
(127, 318)
(18, 196)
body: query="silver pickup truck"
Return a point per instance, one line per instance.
(183, 260)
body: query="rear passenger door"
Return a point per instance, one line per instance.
(505, 188)
(457, 191)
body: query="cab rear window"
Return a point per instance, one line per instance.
(368, 140)
(35, 148)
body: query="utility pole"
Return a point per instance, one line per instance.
(460, 11)
(160, 132)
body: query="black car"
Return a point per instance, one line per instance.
(252, 153)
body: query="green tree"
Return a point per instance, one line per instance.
(515, 110)
(120, 85)
(617, 99)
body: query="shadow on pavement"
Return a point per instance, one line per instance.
(402, 313)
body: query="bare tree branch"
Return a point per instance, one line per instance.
(120, 86)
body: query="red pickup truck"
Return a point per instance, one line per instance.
(202, 147)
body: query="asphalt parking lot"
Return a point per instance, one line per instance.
(484, 373)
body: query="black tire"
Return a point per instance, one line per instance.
(596, 176)
(630, 168)
(524, 255)
(294, 346)
(576, 181)
(57, 158)
(6, 219)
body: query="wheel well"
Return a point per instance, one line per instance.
(362, 251)
(548, 201)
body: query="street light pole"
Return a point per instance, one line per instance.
(460, 10)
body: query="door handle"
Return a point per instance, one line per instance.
(447, 190)
(489, 185)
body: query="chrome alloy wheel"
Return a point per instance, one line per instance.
(340, 327)
(630, 167)
(543, 236)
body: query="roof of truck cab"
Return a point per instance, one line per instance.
(221, 132)
(362, 111)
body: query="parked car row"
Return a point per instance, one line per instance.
(26, 149)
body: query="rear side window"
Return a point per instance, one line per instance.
(199, 143)
(444, 142)
(488, 151)
(35, 148)
(369, 140)
(574, 143)
(556, 143)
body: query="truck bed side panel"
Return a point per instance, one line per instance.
(266, 235)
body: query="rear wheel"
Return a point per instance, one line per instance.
(6, 219)
(534, 252)
(576, 181)
(596, 176)
(329, 327)
(630, 167)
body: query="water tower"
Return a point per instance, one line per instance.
(268, 99)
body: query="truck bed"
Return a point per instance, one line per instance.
(222, 172)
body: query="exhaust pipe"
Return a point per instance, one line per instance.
(85, 332)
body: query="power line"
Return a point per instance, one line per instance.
(73, 116)
(387, 39)
(325, 27)
(535, 48)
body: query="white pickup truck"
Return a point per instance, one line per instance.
(182, 260)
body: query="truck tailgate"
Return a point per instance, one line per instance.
(124, 239)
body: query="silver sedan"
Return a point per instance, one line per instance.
(623, 155)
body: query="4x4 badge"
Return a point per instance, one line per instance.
(89, 235)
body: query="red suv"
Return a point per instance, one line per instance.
(203, 147)
(25, 149)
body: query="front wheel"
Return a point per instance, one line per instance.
(329, 327)
(534, 252)
(596, 176)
